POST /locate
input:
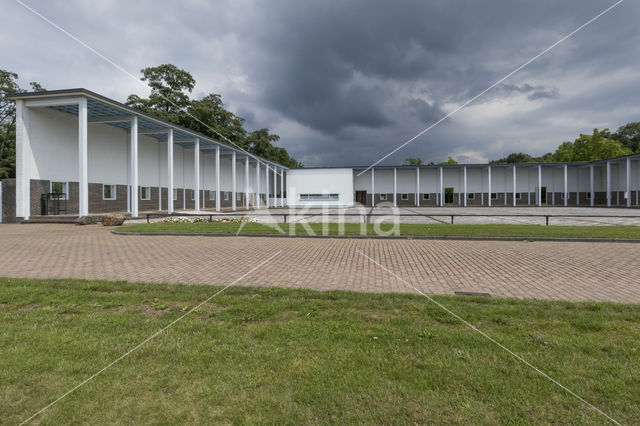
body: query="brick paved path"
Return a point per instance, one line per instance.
(546, 270)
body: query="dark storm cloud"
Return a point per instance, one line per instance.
(346, 82)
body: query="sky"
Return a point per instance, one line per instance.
(346, 82)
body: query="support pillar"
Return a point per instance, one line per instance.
(246, 182)
(217, 178)
(196, 177)
(395, 186)
(233, 181)
(258, 195)
(539, 185)
(608, 183)
(441, 187)
(266, 181)
(23, 161)
(489, 195)
(514, 187)
(275, 187)
(566, 187)
(417, 200)
(373, 188)
(464, 185)
(282, 187)
(591, 190)
(83, 157)
(170, 171)
(159, 177)
(628, 182)
(135, 191)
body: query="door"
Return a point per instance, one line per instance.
(448, 195)
(361, 197)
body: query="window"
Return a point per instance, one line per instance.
(471, 196)
(404, 197)
(145, 193)
(238, 196)
(518, 195)
(494, 195)
(175, 194)
(226, 196)
(383, 197)
(212, 195)
(60, 188)
(318, 197)
(426, 196)
(588, 195)
(108, 192)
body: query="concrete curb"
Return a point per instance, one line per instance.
(391, 237)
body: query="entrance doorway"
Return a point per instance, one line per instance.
(543, 195)
(448, 195)
(361, 197)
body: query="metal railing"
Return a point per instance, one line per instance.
(366, 217)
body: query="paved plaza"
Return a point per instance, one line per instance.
(544, 270)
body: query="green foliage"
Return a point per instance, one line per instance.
(593, 147)
(514, 158)
(450, 161)
(629, 136)
(169, 100)
(413, 162)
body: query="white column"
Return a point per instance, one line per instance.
(128, 171)
(266, 179)
(566, 188)
(217, 178)
(159, 176)
(417, 186)
(464, 185)
(233, 181)
(83, 157)
(489, 195)
(441, 187)
(196, 173)
(608, 183)
(184, 180)
(395, 186)
(170, 171)
(373, 188)
(539, 185)
(281, 187)
(275, 188)
(514, 186)
(258, 200)
(591, 190)
(246, 182)
(23, 161)
(628, 182)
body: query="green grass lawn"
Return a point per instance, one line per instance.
(297, 356)
(622, 232)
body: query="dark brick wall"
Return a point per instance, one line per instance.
(37, 188)
(8, 200)
(98, 205)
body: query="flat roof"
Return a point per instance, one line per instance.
(100, 106)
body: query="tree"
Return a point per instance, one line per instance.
(450, 161)
(514, 158)
(629, 136)
(413, 162)
(597, 146)
(169, 100)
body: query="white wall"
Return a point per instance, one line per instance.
(320, 181)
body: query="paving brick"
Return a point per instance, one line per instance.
(543, 270)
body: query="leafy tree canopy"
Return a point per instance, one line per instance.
(450, 161)
(629, 136)
(413, 162)
(169, 100)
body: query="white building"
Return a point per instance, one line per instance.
(104, 157)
